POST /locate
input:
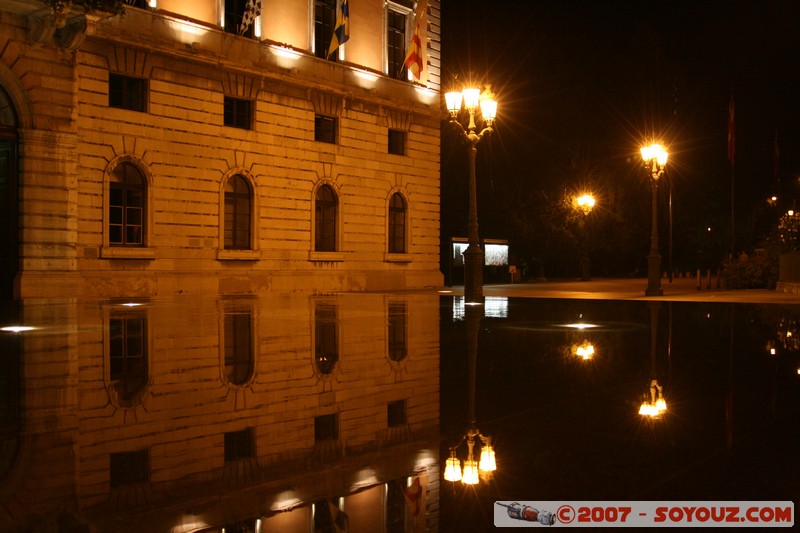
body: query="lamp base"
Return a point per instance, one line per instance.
(654, 276)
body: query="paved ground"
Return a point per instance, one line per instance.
(680, 289)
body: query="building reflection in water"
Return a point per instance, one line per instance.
(285, 413)
(295, 413)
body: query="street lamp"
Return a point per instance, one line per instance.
(655, 161)
(473, 255)
(585, 203)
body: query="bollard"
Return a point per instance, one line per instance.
(708, 279)
(698, 279)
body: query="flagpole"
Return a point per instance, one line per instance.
(733, 217)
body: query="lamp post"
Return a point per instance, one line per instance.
(585, 203)
(473, 100)
(470, 473)
(655, 161)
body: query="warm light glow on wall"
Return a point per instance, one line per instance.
(285, 57)
(190, 523)
(426, 96)
(425, 458)
(17, 329)
(365, 478)
(285, 52)
(285, 501)
(365, 79)
(186, 32)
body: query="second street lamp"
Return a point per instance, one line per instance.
(585, 203)
(655, 161)
(473, 101)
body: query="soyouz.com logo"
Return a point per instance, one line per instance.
(644, 514)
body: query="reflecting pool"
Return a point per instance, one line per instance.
(326, 413)
(567, 426)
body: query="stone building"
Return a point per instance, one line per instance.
(206, 147)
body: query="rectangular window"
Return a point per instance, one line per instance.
(238, 347)
(396, 44)
(326, 342)
(324, 24)
(238, 113)
(127, 353)
(397, 142)
(326, 428)
(127, 92)
(395, 506)
(129, 468)
(239, 445)
(234, 17)
(325, 129)
(398, 331)
(396, 413)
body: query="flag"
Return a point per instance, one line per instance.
(415, 56)
(341, 522)
(731, 133)
(413, 495)
(341, 32)
(251, 11)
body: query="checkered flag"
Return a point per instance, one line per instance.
(251, 11)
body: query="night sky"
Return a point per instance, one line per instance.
(582, 84)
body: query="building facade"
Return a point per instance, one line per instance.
(218, 147)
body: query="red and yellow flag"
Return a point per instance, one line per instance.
(416, 60)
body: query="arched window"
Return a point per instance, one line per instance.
(397, 224)
(325, 211)
(9, 203)
(237, 221)
(126, 206)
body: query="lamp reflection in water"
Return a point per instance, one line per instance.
(472, 468)
(585, 350)
(653, 403)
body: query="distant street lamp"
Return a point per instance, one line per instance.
(655, 161)
(585, 203)
(473, 255)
